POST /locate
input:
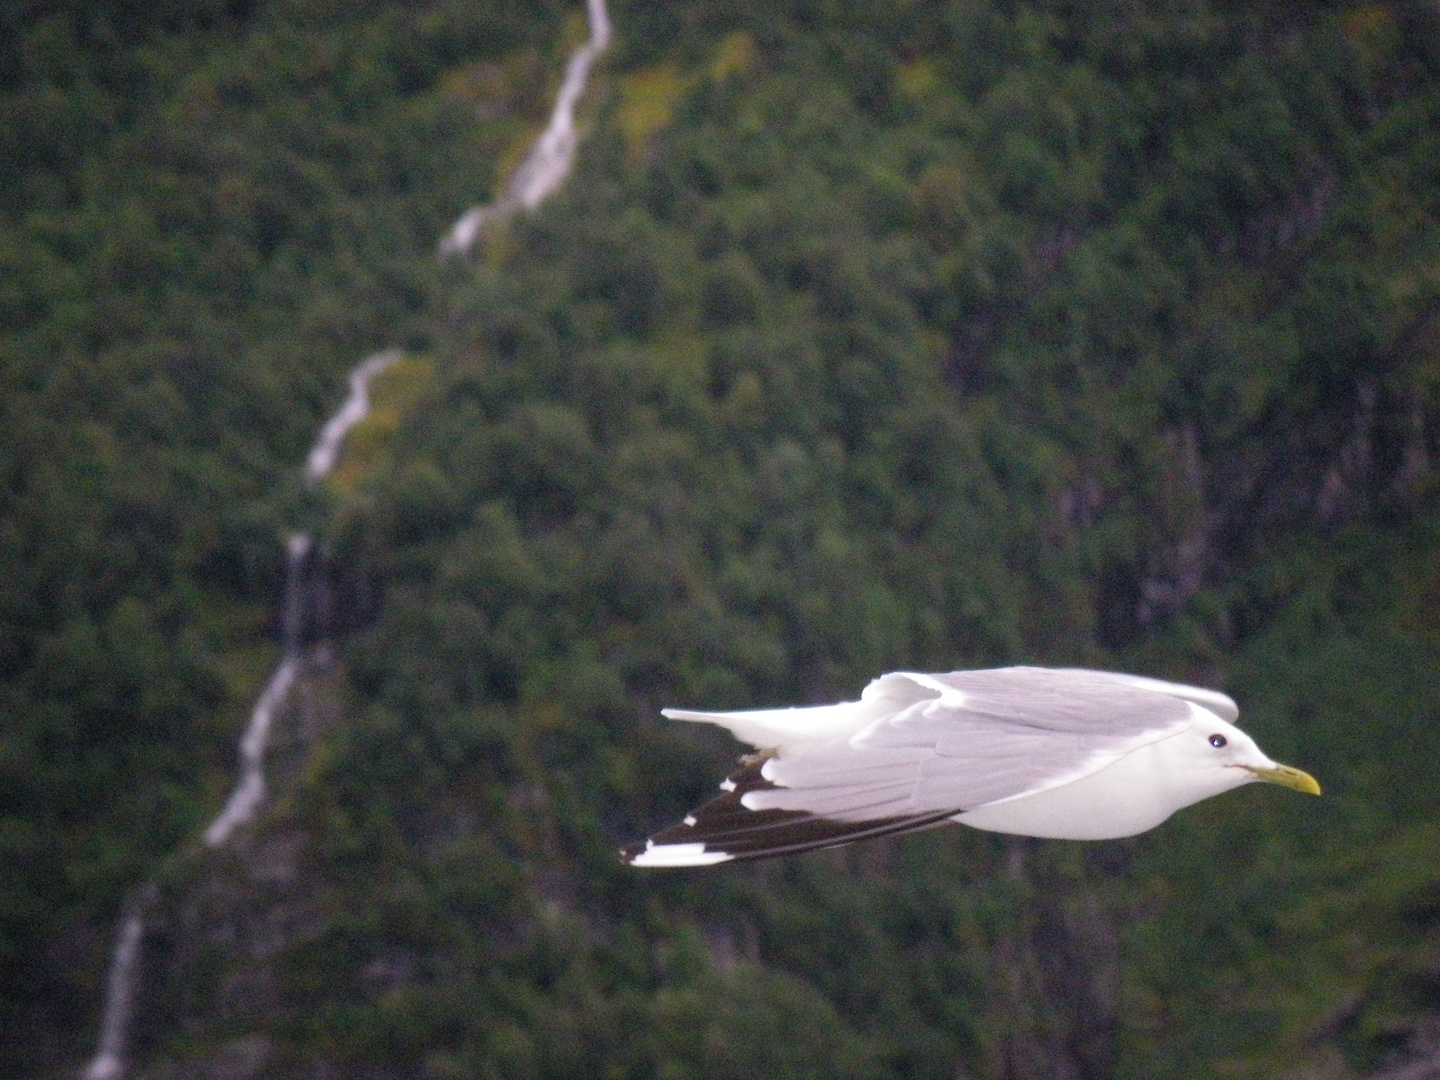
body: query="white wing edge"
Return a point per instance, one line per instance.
(673, 855)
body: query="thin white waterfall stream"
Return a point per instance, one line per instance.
(109, 1062)
(541, 172)
(547, 163)
(326, 450)
(249, 792)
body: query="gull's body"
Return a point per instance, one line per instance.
(1061, 753)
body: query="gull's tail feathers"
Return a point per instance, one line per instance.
(766, 729)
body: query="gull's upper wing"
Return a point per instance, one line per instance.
(1222, 705)
(954, 742)
(986, 736)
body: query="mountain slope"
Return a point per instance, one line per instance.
(860, 339)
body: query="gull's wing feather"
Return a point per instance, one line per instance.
(725, 829)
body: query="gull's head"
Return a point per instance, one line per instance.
(1219, 756)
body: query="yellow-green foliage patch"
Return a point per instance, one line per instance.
(647, 102)
(649, 96)
(392, 394)
(737, 52)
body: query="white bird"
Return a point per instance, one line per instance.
(1054, 752)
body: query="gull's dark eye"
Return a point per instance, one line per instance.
(1217, 741)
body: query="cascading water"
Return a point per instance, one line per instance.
(326, 450)
(244, 802)
(544, 168)
(249, 792)
(537, 177)
(109, 1062)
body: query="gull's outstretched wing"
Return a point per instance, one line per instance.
(955, 742)
(725, 829)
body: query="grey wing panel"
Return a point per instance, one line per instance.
(1077, 693)
(1004, 741)
(853, 785)
(1222, 705)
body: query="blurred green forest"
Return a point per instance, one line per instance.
(864, 336)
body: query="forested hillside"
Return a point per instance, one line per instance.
(863, 337)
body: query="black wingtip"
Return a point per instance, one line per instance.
(629, 852)
(725, 829)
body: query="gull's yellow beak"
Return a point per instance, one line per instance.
(1285, 776)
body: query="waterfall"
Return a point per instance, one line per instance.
(537, 177)
(109, 1062)
(245, 800)
(357, 406)
(249, 792)
(547, 163)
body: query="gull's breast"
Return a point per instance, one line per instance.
(1133, 794)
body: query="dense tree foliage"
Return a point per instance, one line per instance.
(864, 337)
(207, 213)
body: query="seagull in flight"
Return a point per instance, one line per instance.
(1054, 752)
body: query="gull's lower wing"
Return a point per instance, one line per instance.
(724, 829)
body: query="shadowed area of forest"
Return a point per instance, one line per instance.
(863, 337)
